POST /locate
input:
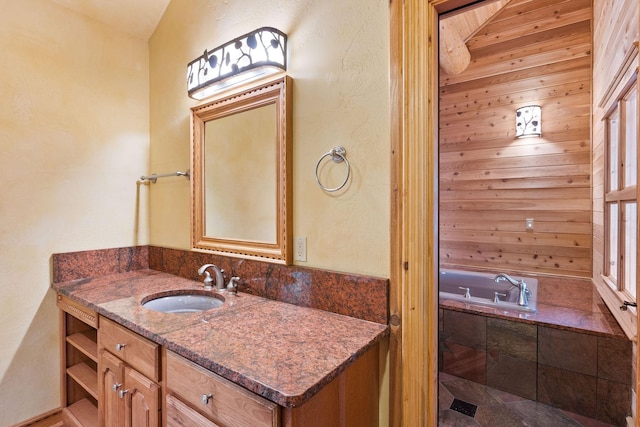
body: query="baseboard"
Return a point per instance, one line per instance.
(48, 419)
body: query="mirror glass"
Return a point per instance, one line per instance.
(240, 164)
(240, 153)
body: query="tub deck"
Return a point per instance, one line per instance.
(563, 303)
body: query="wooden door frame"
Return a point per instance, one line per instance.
(414, 209)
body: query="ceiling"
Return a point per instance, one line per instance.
(457, 28)
(136, 17)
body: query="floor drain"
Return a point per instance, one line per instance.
(463, 407)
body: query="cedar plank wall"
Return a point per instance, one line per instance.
(531, 52)
(615, 30)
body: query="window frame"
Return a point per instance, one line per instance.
(622, 194)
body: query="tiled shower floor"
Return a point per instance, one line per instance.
(486, 406)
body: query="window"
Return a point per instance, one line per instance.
(621, 203)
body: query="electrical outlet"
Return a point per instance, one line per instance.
(300, 249)
(528, 223)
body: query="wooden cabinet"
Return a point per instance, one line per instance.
(350, 400)
(129, 371)
(79, 359)
(112, 377)
(196, 396)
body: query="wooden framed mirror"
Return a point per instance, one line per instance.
(241, 174)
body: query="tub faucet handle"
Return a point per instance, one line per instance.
(467, 292)
(497, 295)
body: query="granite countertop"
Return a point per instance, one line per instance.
(280, 351)
(599, 322)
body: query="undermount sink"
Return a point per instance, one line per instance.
(183, 302)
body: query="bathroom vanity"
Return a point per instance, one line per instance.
(250, 362)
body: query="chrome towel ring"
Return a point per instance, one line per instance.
(338, 155)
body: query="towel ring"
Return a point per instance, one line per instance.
(338, 155)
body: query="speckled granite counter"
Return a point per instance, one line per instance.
(599, 322)
(280, 351)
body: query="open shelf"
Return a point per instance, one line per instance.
(86, 343)
(86, 377)
(79, 363)
(83, 413)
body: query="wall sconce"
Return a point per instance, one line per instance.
(529, 121)
(248, 57)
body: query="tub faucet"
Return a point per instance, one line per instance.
(522, 288)
(208, 280)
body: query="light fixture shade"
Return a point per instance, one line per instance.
(255, 54)
(529, 121)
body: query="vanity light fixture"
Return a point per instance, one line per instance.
(529, 121)
(254, 55)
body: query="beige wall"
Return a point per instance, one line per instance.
(75, 132)
(338, 59)
(74, 137)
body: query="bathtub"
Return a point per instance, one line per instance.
(482, 290)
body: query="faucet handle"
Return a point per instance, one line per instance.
(232, 286)
(208, 281)
(467, 292)
(497, 295)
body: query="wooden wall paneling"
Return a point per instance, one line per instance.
(521, 18)
(485, 171)
(523, 57)
(530, 81)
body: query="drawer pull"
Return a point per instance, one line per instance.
(205, 398)
(119, 347)
(122, 393)
(116, 386)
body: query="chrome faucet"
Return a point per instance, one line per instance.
(523, 293)
(208, 280)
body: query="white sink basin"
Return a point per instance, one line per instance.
(184, 302)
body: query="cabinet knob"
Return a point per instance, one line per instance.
(116, 386)
(119, 347)
(205, 398)
(122, 393)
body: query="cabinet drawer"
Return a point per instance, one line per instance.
(229, 404)
(139, 352)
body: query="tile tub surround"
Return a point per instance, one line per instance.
(581, 371)
(283, 352)
(359, 296)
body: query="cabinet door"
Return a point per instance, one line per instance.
(110, 384)
(142, 400)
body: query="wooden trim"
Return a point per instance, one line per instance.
(51, 418)
(627, 64)
(78, 311)
(635, 419)
(395, 288)
(626, 319)
(279, 93)
(625, 195)
(414, 224)
(62, 328)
